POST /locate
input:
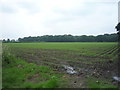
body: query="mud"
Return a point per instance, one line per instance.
(69, 69)
(116, 78)
(75, 67)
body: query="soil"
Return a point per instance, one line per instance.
(86, 66)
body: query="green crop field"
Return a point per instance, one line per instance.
(41, 65)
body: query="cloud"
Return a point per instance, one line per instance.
(5, 8)
(20, 18)
(31, 7)
(99, 18)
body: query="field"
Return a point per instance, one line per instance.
(56, 65)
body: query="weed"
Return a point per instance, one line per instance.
(97, 83)
(18, 71)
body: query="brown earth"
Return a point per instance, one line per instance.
(86, 66)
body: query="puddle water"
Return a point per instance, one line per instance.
(83, 69)
(116, 78)
(69, 69)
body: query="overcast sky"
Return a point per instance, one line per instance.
(22, 18)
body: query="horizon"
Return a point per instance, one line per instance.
(56, 35)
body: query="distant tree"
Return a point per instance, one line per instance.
(13, 40)
(70, 38)
(8, 41)
(4, 41)
(99, 38)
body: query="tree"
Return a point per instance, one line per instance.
(70, 38)
(118, 29)
(13, 40)
(8, 40)
(4, 41)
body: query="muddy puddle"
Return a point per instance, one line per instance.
(116, 78)
(74, 70)
(69, 69)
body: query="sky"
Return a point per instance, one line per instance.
(23, 18)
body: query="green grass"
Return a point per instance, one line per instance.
(87, 48)
(16, 72)
(65, 46)
(97, 83)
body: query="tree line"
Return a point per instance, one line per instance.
(67, 38)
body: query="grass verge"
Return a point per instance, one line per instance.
(19, 74)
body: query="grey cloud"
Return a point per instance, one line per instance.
(27, 5)
(89, 8)
(103, 17)
(74, 20)
(7, 9)
(31, 7)
(75, 11)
